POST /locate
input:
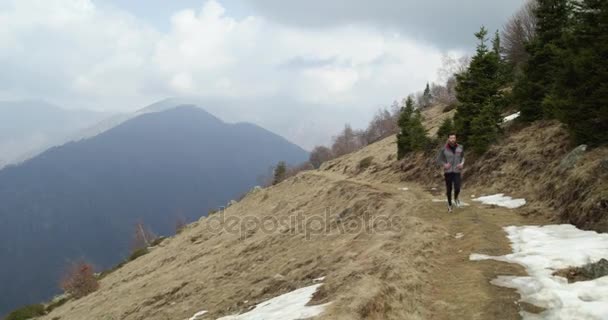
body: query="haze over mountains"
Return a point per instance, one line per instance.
(82, 199)
(30, 126)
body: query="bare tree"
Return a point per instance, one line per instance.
(319, 155)
(79, 280)
(382, 125)
(452, 65)
(347, 141)
(142, 237)
(445, 95)
(517, 32)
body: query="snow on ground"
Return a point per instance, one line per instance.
(403, 189)
(542, 250)
(289, 306)
(502, 201)
(511, 117)
(198, 315)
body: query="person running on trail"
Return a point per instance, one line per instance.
(451, 157)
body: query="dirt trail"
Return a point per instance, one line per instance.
(461, 288)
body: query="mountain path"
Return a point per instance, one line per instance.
(461, 288)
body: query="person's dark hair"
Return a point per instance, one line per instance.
(452, 134)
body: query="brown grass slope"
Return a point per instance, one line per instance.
(386, 253)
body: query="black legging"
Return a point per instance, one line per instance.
(452, 178)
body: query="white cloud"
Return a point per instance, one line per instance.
(79, 54)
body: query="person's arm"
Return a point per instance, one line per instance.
(442, 160)
(461, 164)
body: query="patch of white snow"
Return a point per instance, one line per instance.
(502, 201)
(542, 250)
(511, 117)
(289, 306)
(198, 315)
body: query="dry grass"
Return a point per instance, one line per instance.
(228, 272)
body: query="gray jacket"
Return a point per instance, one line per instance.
(453, 158)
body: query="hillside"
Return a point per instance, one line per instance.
(378, 238)
(82, 200)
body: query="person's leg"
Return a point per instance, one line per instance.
(448, 186)
(456, 185)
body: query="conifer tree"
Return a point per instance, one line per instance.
(280, 172)
(447, 127)
(412, 134)
(539, 73)
(580, 93)
(477, 88)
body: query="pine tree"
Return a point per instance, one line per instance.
(412, 135)
(403, 137)
(485, 128)
(418, 138)
(539, 73)
(477, 87)
(426, 96)
(280, 171)
(580, 95)
(447, 127)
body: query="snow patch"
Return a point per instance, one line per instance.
(403, 189)
(511, 117)
(459, 235)
(198, 315)
(502, 201)
(289, 306)
(542, 250)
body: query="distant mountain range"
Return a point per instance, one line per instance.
(82, 199)
(30, 127)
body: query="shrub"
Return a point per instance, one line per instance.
(26, 312)
(365, 163)
(138, 253)
(158, 241)
(79, 280)
(56, 304)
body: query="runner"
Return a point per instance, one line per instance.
(451, 157)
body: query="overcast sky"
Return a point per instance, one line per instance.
(339, 59)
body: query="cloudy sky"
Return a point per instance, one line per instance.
(270, 61)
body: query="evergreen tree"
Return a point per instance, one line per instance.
(485, 128)
(280, 172)
(545, 50)
(403, 137)
(580, 95)
(426, 96)
(447, 127)
(412, 135)
(418, 138)
(477, 87)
